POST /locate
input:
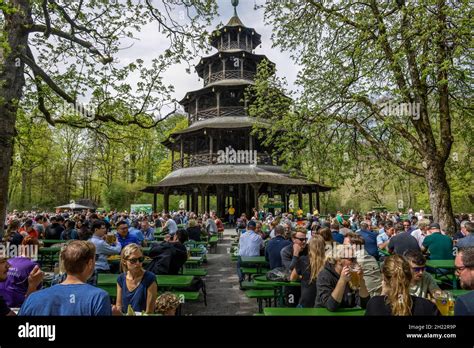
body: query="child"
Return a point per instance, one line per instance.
(167, 304)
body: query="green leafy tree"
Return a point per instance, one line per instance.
(381, 80)
(60, 52)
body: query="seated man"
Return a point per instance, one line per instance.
(468, 230)
(335, 287)
(423, 284)
(124, 237)
(4, 309)
(73, 296)
(169, 256)
(464, 263)
(402, 241)
(274, 247)
(368, 263)
(250, 244)
(439, 245)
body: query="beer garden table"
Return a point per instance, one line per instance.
(277, 287)
(47, 255)
(293, 312)
(437, 265)
(164, 281)
(49, 242)
(258, 261)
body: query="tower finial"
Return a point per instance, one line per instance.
(235, 3)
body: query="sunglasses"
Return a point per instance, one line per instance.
(302, 239)
(353, 259)
(140, 260)
(418, 269)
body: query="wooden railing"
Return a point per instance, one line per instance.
(229, 74)
(234, 45)
(205, 159)
(223, 111)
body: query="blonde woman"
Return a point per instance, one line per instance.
(307, 269)
(396, 298)
(135, 286)
(341, 284)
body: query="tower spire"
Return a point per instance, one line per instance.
(235, 3)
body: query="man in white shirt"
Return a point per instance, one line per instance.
(421, 232)
(250, 244)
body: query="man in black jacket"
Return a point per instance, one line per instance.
(169, 257)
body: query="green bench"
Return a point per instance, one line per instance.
(261, 295)
(253, 271)
(246, 285)
(185, 295)
(197, 272)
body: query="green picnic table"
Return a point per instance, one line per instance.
(48, 242)
(293, 312)
(459, 292)
(277, 287)
(438, 265)
(164, 281)
(258, 261)
(47, 255)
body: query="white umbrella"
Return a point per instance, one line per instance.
(73, 206)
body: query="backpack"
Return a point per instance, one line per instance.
(279, 274)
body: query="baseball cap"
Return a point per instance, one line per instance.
(435, 226)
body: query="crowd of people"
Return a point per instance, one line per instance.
(375, 261)
(88, 240)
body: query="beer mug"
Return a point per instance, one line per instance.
(110, 238)
(354, 283)
(451, 302)
(442, 303)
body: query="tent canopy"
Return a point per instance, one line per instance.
(73, 206)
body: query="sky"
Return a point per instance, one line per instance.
(150, 44)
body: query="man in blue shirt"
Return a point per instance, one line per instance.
(370, 239)
(123, 236)
(468, 240)
(339, 238)
(250, 244)
(147, 231)
(274, 246)
(464, 264)
(73, 297)
(102, 248)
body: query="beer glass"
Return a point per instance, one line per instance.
(354, 283)
(110, 238)
(442, 303)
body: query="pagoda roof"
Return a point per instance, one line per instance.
(228, 174)
(235, 22)
(205, 60)
(228, 122)
(218, 84)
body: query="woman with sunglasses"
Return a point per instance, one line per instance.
(423, 284)
(135, 286)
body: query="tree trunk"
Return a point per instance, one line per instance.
(12, 82)
(440, 197)
(23, 189)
